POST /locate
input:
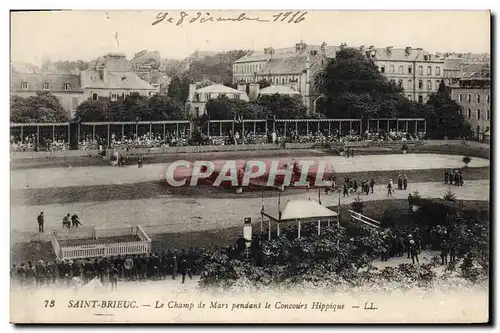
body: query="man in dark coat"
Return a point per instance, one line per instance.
(405, 182)
(446, 176)
(413, 251)
(184, 266)
(75, 221)
(41, 221)
(372, 184)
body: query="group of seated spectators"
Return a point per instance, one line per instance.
(157, 140)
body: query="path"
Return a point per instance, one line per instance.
(104, 175)
(179, 214)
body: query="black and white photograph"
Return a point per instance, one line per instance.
(259, 166)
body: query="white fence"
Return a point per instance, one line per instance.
(365, 220)
(100, 249)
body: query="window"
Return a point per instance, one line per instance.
(429, 85)
(429, 70)
(94, 97)
(66, 86)
(391, 68)
(487, 115)
(478, 98)
(420, 70)
(420, 99)
(46, 86)
(437, 84)
(197, 110)
(438, 70)
(114, 97)
(283, 81)
(409, 69)
(382, 69)
(469, 98)
(400, 69)
(478, 114)
(469, 113)
(410, 84)
(420, 84)
(460, 97)
(24, 85)
(75, 102)
(488, 99)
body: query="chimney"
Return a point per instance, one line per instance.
(242, 87)
(407, 50)
(192, 90)
(343, 45)
(253, 91)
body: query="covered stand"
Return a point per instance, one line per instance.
(299, 211)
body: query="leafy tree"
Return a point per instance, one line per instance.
(282, 106)
(178, 89)
(42, 108)
(263, 84)
(356, 89)
(90, 110)
(444, 117)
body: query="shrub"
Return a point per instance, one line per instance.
(450, 196)
(466, 160)
(358, 204)
(416, 198)
(404, 147)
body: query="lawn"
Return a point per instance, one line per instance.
(146, 190)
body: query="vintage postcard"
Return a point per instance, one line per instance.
(284, 166)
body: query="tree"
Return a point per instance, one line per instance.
(444, 117)
(356, 89)
(161, 107)
(178, 89)
(42, 108)
(282, 106)
(99, 110)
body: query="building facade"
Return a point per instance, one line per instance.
(473, 96)
(198, 97)
(110, 77)
(417, 71)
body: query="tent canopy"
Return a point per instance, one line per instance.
(303, 210)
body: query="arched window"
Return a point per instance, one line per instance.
(46, 86)
(460, 97)
(66, 86)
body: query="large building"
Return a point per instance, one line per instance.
(473, 95)
(295, 67)
(110, 76)
(199, 96)
(419, 72)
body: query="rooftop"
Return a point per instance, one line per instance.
(36, 82)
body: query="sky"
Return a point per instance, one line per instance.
(85, 35)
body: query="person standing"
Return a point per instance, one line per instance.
(413, 251)
(400, 182)
(444, 252)
(461, 178)
(66, 222)
(347, 152)
(184, 266)
(410, 198)
(405, 182)
(346, 190)
(114, 273)
(139, 161)
(41, 222)
(446, 176)
(75, 221)
(372, 184)
(389, 187)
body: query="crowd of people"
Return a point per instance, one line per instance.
(138, 267)
(98, 140)
(454, 177)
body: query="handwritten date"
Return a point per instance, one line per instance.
(199, 17)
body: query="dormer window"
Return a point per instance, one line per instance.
(46, 86)
(24, 85)
(66, 86)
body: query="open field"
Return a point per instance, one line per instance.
(108, 175)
